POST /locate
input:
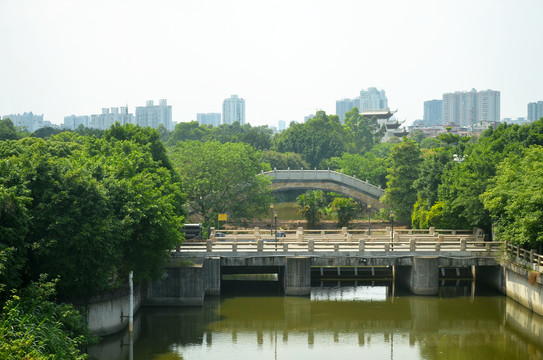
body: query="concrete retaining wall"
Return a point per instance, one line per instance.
(521, 285)
(181, 286)
(108, 312)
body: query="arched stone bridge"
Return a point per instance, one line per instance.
(326, 180)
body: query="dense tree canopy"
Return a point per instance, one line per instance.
(221, 178)
(320, 138)
(259, 137)
(514, 198)
(8, 130)
(363, 133)
(458, 202)
(283, 161)
(88, 210)
(400, 195)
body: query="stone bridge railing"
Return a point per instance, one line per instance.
(344, 240)
(309, 176)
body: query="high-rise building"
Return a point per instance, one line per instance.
(152, 115)
(433, 112)
(110, 116)
(535, 110)
(233, 109)
(343, 106)
(466, 108)
(308, 117)
(372, 99)
(72, 122)
(213, 119)
(281, 125)
(26, 121)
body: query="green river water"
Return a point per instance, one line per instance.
(338, 321)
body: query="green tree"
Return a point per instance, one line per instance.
(312, 206)
(185, 131)
(222, 178)
(8, 130)
(404, 170)
(363, 133)
(515, 200)
(283, 161)
(320, 138)
(345, 209)
(365, 167)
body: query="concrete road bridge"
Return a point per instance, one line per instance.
(416, 257)
(326, 180)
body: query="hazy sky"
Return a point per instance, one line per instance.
(285, 58)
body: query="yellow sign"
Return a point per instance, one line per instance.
(223, 217)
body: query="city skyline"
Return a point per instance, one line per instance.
(197, 53)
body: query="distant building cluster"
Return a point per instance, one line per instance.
(462, 108)
(233, 110)
(535, 110)
(467, 108)
(150, 115)
(28, 121)
(370, 99)
(213, 119)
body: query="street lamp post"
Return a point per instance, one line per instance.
(369, 219)
(271, 219)
(275, 218)
(392, 230)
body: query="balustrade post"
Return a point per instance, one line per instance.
(209, 245)
(212, 233)
(412, 245)
(463, 244)
(285, 247)
(432, 231)
(311, 245)
(438, 246)
(336, 247)
(532, 258)
(361, 245)
(234, 246)
(387, 247)
(518, 251)
(260, 245)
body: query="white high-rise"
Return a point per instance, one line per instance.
(233, 109)
(26, 121)
(72, 122)
(152, 115)
(110, 116)
(343, 106)
(213, 119)
(466, 108)
(535, 111)
(372, 99)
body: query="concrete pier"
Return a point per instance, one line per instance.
(422, 277)
(212, 276)
(297, 279)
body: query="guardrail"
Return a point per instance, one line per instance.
(314, 246)
(345, 234)
(525, 257)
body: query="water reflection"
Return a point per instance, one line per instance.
(353, 321)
